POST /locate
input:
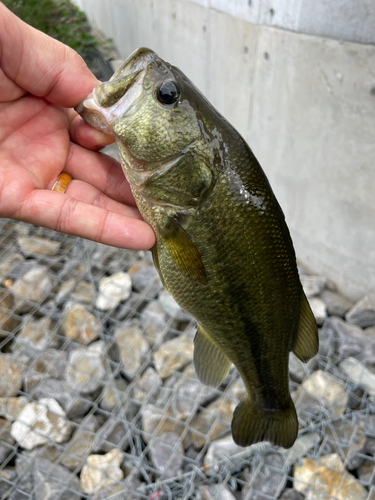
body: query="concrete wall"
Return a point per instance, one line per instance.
(304, 102)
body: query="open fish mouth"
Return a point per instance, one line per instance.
(117, 97)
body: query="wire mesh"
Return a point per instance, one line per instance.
(102, 402)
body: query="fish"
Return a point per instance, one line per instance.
(223, 249)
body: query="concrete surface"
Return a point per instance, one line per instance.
(305, 104)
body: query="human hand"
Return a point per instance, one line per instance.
(41, 80)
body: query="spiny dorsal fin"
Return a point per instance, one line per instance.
(211, 364)
(183, 252)
(307, 342)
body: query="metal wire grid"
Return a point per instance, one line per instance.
(83, 260)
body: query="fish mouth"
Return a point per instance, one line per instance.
(117, 97)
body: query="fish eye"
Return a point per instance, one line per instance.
(168, 92)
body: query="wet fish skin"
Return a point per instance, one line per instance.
(223, 248)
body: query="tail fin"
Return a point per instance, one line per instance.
(251, 425)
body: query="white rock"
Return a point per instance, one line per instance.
(132, 348)
(319, 309)
(36, 246)
(39, 423)
(301, 446)
(173, 355)
(33, 287)
(86, 372)
(79, 324)
(101, 471)
(112, 290)
(359, 374)
(312, 285)
(363, 312)
(328, 390)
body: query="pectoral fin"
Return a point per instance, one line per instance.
(307, 343)
(211, 364)
(183, 252)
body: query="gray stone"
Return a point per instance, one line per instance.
(35, 246)
(114, 394)
(10, 376)
(173, 355)
(166, 453)
(269, 480)
(318, 308)
(171, 307)
(86, 372)
(53, 481)
(336, 304)
(36, 335)
(308, 407)
(220, 449)
(8, 477)
(113, 433)
(79, 325)
(112, 290)
(6, 440)
(366, 473)
(301, 447)
(9, 260)
(132, 348)
(37, 423)
(80, 445)
(327, 340)
(73, 404)
(327, 477)
(65, 290)
(145, 278)
(114, 492)
(51, 363)
(83, 292)
(11, 407)
(290, 494)
(359, 374)
(347, 439)
(32, 288)
(312, 285)
(154, 323)
(101, 471)
(157, 421)
(298, 371)
(363, 312)
(146, 389)
(215, 492)
(7, 320)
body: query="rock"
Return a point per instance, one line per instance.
(65, 290)
(83, 292)
(358, 374)
(214, 492)
(173, 355)
(146, 389)
(51, 363)
(220, 449)
(290, 494)
(366, 473)
(112, 290)
(6, 440)
(327, 476)
(114, 492)
(298, 371)
(336, 304)
(157, 421)
(363, 312)
(7, 319)
(35, 246)
(132, 348)
(36, 335)
(312, 285)
(72, 403)
(101, 471)
(11, 407)
(270, 479)
(80, 446)
(327, 340)
(114, 394)
(40, 422)
(113, 433)
(328, 390)
(9, 260)
(79, 325)
(8, 477)
(301, 447)
(171, 307)
(318, 308)
(32, 288)
(347, 439)
(86, 372)
(54, 481)
(307, 406)
(166, 453)
(10, 376)
(145, 279)
(154, 323)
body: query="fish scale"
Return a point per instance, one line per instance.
(223, 249)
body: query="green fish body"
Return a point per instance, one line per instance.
(223, 249)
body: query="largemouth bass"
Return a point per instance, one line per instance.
(223, 248)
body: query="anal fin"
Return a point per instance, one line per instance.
(211, 364)
(307, 342)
